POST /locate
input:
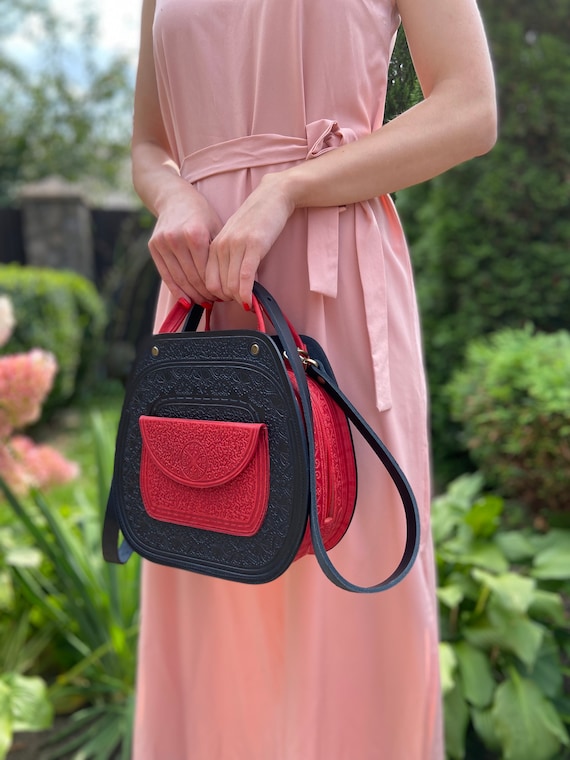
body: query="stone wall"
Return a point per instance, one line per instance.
(56, 227)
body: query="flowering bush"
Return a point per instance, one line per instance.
(25, 381)
(61, 312)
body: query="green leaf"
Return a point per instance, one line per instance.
(508, 632)
(456, 715)
(30, 707)
(456, 545)
(447, 667)
(515, 545)
(527, 724)
(464, 490)
(484, 726)
(24, 706)
(483, 517)
(6, 724)
(486, 555)
(512, 591)
(553, 562)
(521, 635)
(451, 596)
(476, 674)
(547, 672)
(549, 607)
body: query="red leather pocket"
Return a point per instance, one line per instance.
(205, 474)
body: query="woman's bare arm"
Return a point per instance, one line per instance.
(455, 122)
(185, 220)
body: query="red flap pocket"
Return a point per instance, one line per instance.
(205, 474)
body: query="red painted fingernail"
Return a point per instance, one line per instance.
(206, 305)
(246, 306)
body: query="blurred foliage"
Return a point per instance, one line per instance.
(504, 629)
(90, 608)
(24, 701)
(403, 87)
(512, 399)
(64, 111)
(490, 238)
(61, 312)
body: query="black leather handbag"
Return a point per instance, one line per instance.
(234, 455)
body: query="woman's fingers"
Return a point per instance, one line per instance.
(232, 267)
(179, 278)
(242, 271)
(180, 252)
(177, 269)
(246, 238)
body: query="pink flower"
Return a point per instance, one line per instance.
(7, 319)
(25, 381)
(13, 471)
(25, 465)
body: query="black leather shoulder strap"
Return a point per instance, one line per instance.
(406, 494)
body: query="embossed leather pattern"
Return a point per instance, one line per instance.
(225, 449)
(205, 474)
(335, 467)
(234, 376)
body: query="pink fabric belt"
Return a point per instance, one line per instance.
(323, 224)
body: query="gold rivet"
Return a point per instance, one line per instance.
(254, 350)
(154, 351)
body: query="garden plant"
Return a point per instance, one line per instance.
(68, 621)
(25, 381)
(512, 399)
(505, 633)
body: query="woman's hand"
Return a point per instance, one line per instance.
(246, 238)
(180, 244)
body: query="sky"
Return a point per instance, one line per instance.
(118, 22)
(118, 28)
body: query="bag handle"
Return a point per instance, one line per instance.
(186, 315)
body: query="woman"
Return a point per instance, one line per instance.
(258, 144)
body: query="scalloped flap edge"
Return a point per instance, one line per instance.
(201, 453)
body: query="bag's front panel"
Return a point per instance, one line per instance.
(229, 377)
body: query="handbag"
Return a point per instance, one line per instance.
(234, 454)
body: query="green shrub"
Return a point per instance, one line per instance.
(504, 630)
(61, 312)
(513, 400)
(490, 238)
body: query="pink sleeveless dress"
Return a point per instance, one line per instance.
(298, 669)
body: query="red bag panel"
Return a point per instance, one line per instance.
(335, 469)
(205, 474)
